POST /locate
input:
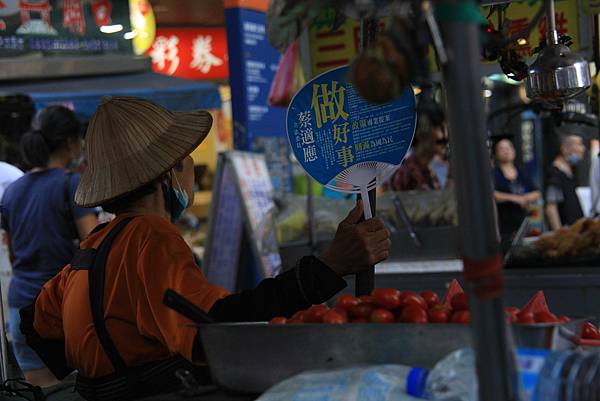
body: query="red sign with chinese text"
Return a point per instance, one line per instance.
(192, 53)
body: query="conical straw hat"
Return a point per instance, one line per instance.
(130, 142)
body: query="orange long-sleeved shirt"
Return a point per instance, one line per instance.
(148, 257)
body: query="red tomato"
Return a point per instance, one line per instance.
(545, 317)
(295, 321)
(334, 317)
(525, 318)
(461, 316)
(441, 307)
(342, 312)
(438, 315)
(413, 314)
(346, 302)
(366, 299)
(590, 332)
(381, 315)
(430, 297)
(409, 298)
(315, 314)
(300, 315)
(359, 320)
(563, 319)
(362, 310)
(460, 302)
(278, 320)
(388, 298)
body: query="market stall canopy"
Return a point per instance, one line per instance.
(83, 94)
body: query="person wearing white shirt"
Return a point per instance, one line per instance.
(8, 174)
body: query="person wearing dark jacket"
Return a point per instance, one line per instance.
(514, 191)
(140, 169)
(562, 204)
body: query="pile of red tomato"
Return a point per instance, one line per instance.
(389, 305)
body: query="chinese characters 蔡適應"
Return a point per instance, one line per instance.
(307, 136)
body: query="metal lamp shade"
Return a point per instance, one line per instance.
(557, 74)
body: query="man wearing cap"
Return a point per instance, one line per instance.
(103, 314)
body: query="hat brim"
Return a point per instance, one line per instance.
(102, 185)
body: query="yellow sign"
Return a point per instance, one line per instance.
(521, 13)
(332, 49)
(143, 25)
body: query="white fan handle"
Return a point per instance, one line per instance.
(364, 194)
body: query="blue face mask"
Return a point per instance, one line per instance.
(178, 200)
(573, 159)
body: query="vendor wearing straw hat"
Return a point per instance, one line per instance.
(103, 314)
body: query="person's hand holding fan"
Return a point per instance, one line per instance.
(346, 143)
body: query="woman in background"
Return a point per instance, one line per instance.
(42, 223)
(514, 191)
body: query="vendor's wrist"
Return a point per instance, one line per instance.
(329, 261)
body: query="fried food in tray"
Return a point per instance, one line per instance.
(578, 240)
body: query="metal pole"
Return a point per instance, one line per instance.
(365, 281)
(552, 38)
(476, 210)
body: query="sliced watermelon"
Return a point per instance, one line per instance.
(536, 304)
(454, 289)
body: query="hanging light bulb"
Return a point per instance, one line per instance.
(558, 73)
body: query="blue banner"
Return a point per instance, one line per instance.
(252, 66)
(331, 128)
(253, 62)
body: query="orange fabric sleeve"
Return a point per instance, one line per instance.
(48, 322)
(166, 261)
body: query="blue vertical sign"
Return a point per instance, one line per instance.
(252, 66)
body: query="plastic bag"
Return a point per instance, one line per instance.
(369, 383)
(288, 79)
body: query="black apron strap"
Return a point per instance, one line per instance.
(83, 259)
(96, 276)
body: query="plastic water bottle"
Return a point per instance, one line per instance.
(569, 376)
(452, 379)
(544, 376)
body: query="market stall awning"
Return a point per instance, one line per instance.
(84, 94)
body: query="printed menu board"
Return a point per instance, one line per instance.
(242, 205)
